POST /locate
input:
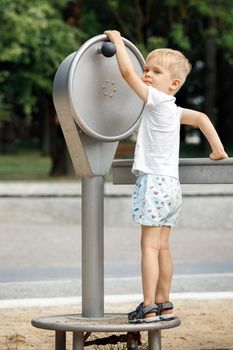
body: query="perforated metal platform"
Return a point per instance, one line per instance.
(108, 323)
(78, 325)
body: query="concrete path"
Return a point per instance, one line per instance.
(40, 240)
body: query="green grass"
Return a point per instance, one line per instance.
(24, 166)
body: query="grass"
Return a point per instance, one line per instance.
(24, 166)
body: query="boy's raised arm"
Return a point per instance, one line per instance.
(126, 67)
(201, 121)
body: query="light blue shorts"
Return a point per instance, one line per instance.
(156, 200)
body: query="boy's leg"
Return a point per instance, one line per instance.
(150, 246)
(165, 267)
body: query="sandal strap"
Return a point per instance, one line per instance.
(141, 311)
(132, 315)
(165, 306)
(150, 308)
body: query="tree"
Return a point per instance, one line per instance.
(202, 29)
(34, 40)
(36, 37)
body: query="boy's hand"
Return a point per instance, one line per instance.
(113, 35)
(218, 156)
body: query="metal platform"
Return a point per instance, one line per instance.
(78, 325)
(192, 171)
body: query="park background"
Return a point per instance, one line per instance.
(40, 220)
(37, 35)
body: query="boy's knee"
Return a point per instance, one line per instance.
(153, 246)
(164, 246)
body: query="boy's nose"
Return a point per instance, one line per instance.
(147, 74)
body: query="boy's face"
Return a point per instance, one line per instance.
(158, 76)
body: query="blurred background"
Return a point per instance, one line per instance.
(36, 36)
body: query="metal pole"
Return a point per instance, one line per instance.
(60, 340)
(154, 340)
(78, 341)
(93, 246)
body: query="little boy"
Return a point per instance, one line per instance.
(156, 200)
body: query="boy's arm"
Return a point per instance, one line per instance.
(201, 121)
(126, 67)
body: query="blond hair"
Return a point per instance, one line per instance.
(173, 60)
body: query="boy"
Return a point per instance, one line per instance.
(157, 196)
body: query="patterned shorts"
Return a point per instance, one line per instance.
(156, 200)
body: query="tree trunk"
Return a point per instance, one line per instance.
(7, 137)
(61, 162)
(45, 116)
(52, 139)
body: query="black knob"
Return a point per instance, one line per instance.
(108, 49)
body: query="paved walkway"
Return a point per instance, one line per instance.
(45, 261)
(40, 253)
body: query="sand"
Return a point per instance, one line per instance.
(206, 325)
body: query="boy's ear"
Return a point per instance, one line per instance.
(175, 84)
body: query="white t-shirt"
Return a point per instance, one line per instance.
(158, 141)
